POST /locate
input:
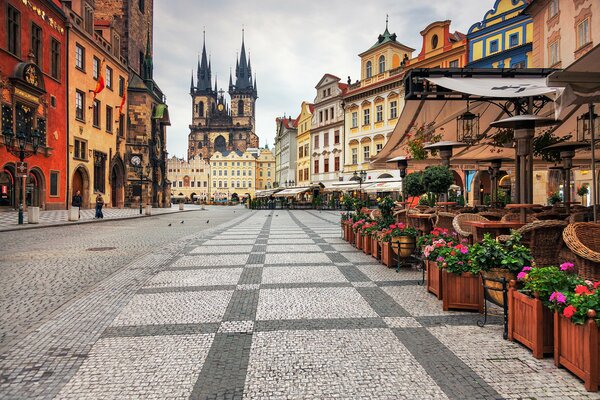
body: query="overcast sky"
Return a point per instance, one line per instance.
(292, 43)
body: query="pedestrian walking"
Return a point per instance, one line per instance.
(99, 204)
(77, 202)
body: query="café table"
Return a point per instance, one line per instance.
(421, 222)
(445, 204)
(523, 208)
(495, 228)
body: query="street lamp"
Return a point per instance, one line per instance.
(136, 162)
(20, 150)
(584, 133)
(467, 127)
(359, 176)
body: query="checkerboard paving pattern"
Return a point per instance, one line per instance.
(279, 307)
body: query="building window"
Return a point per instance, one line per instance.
(520, 64)
(393, 109)
(14, 31)
(369, 69)
(583, 33)
(79, 105)
(553, 53)
(301, 152)
(326, 165)
(96, 113)
(354, 156)
(79, 57)
(379, 113)
(453, 64)
(493, 46)
(381, 64)
(80, 149)
(240, 110)
(513, 40)
(99, 171)
(109, 118)
(336, 164)
(326, 115)
(316, 142)
(54, 58)
(96, 69)
(330, 113)
(121, 125)
(552, 8)
(354, 119)
(316, 167)
(36, 43)
(54, 176)
(378, 147)
(88, 19)
(366, 155)
(109, 77)
(121, 86)
(325, 139)
(320, 116)
(336, 137)
(367, 117)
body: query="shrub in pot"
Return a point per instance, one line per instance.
(437, 179)
(461, 284)
(403, 239)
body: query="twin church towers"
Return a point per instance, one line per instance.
(217, 125)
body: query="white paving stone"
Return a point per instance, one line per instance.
(209, 260)
(297, 258)
(220, 250)
(202, 277)
(300, 274)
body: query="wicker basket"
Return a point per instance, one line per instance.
(466, 231)
(583, 239)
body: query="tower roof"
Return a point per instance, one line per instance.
(243, 79)
(203, 83)
(387, 37)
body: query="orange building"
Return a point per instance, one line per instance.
(440, 48)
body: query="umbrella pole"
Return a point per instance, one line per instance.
(594, 182)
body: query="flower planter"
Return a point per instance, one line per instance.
(461, 292)
(358, 240)
(386, 254)
(344, 231)
(366, 247)
(577, 349)
(350, 235)
(434, 278)
(375, 247)
(496, 296)
(530, 323)
(404, 246)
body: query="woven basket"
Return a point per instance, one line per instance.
(466, 231)
(583, 239)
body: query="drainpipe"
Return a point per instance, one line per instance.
(68, 26)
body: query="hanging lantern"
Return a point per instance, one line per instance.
(467, 127)
(584, 134)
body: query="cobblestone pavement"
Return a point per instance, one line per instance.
(9, 219)
(268, 305)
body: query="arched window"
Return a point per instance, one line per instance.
(381, 64)
(369, 69)
(240, 136)
(201, 109)
(240, 107)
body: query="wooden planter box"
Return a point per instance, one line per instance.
(350, 235)
(359, 241)
(387, 254)
(576, 348)
(461, 292)
(434, 278)
(366, 247)
(345, 231)
(375, 244)
(530, 323)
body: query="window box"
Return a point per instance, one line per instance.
(462, 292)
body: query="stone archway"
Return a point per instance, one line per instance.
(35, 189)
(117, 189)
(220, 144)
(81, 182)
(481, 186)
(8, 187)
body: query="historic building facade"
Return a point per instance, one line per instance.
(33, 101)
(441, 48)
(303, 144)
(503, 39)
(217, 126)
(373, 104)
(97, 121)
(232, 175)
(327, 131)
(148, 115)
(189, 179)
(265, 169)
(285, 150)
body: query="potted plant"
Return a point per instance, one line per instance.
(367, 231)
(431, 245)
(530, 319)
(385, 238)
(437, 180)
(461, 283)
(403, 239)
(583, 191)
(553, 198)
(496, 260)
(576, 333)
(357, 229)
(413, 184)
(418, 138)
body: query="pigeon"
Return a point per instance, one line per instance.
(207, 221)
(181, 222)
(169, 225)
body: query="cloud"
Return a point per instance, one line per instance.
(291, 45)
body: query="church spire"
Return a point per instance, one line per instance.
(192, 84)
(242, 74)
(204, 69)
(230, 80)
(147, 67)
(216, 85)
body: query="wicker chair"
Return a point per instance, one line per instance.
(544, 238)
(548, 215)
(516, 217)
(444, 221)
(491, 215)
(578, 217)
(583, 239)
(466, 231)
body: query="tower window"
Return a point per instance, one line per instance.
(381, 64)
(240, 107)
(201, 109)
(369, 69)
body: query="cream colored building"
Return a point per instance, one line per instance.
(232, 175)
(189, 179)
(303, 145)
(265, 170)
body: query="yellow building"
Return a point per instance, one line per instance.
(189, 179)
(265, 170)
(373, 105)
(303, 144)
(232, 175)
(96, 125)
(504, 38)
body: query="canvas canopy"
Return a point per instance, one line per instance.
(291, 192)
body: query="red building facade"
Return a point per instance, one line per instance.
(33, 83)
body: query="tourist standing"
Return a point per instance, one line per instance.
(99, 204)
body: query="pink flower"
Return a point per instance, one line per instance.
(439, 259)
(522, 275)
(558, 297)
(567, 266)
(526, 269)
(464, 249)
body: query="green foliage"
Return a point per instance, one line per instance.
(437, 179)
(510, 255)
(544, 281)
(386, 207)
(582, 190)
(456, 259)
(417, 139)
(554, 198)
(539, 144)
(413, 184)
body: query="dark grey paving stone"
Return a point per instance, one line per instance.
(470, 319)
(305, 285)
(381, 302)
(256, 259)
(353, 274)
(250, 276)
(407, 282)
(242, 306)
(175, 289)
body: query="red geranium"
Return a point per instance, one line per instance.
(569, 311)
(582, 289)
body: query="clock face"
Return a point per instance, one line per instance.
(220, 107)
(136, 160)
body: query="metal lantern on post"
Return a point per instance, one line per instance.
(467, 127)
(584, 133)
(567, 153)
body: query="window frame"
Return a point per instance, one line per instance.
(393, 109)
(82, 94)
(80, 144)
(379, 113)
(55, 67)
(108, 117)
(109, 78)
(366, 153)
(13, 46)
(95, 68)
(366, 116)
(513, 37)
(554, 45)
(52, 193)
(39, 51)
(96, 113)
(494, 44)
(369, 69)
(381, 63)
(579, 43)
(77, 48)
(354, 119)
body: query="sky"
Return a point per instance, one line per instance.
(292, 44)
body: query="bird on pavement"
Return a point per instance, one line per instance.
(169, 225)
(207, 221)
(182, 222)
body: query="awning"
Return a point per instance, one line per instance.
(291, 192)
(348, 186)
(266, 193)
(498, 87)
(385, 187)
